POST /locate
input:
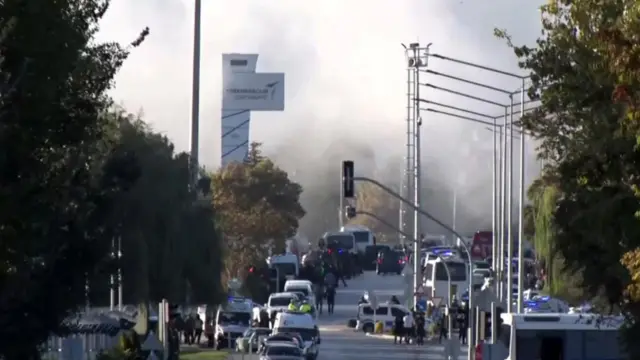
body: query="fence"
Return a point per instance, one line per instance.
(78, 346)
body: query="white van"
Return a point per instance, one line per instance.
(555, 336)
(303, 325)
(287, 265)
(301, 286)
(387, 313)
(363, 236)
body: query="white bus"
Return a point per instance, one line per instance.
(362, 235)
(555, 336)
(436, 278)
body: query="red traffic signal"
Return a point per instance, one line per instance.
(252, 269)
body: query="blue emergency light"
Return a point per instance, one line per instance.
(443, 252)
(339, 251)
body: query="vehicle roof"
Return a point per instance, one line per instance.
(334, 233)
(281, 258)
(298, 282)
(386, 303)
(282, 343)
(550, 321)
(288, 294)
(355, 227)
(453, 259)
(295, 319)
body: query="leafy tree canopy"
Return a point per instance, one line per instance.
(78, 174)
(584, 72)
(255, 202)
(169, 240)
(57, 185)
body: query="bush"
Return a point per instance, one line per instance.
(128, 348)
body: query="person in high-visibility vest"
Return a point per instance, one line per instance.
(305, 308)
(292, 305)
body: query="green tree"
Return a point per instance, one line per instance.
(57, 184)
(579, 67)
(171, 247)
(255, 202)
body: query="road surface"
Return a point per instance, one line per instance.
(340, 342)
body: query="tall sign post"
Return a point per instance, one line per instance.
(245, 90)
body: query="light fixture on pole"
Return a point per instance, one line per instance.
(472, 340)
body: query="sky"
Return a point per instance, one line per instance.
(345, 77)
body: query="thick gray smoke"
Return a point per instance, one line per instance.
(345, 85)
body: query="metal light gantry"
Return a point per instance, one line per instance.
(502, 205)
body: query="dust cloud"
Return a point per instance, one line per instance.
(345, 87)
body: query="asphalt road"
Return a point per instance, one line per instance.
(340, 342)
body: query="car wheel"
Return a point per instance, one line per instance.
(368, 328)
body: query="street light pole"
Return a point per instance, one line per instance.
(417, 279)
(472, 340)
(510, 214)
(417, 58)
(195, 95)
(521, 210)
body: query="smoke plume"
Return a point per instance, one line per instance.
(345, 87)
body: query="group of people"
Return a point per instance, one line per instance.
(190, 328)
(410, 328)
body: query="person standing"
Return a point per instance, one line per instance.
(463, 325)
(199, 326)
(443, 328)
(420, 329)
(398, 329)
(408, 327)
(319, 290)
(331, 298)
(189, 329)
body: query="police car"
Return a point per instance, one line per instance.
(302, 324)
(232, 320)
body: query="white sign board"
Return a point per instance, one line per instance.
(254, 91)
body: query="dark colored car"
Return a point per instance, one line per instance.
(390, 262)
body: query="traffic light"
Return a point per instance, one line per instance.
(252, 269)
(351, 212)
(348, 190)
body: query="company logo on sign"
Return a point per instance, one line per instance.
(254, 92)
(268, 92)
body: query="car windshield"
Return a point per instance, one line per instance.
(234, 318)
(458, 271)
(481, 265)
(279, 301)
(283, 351)
(343, 241)
(298, 289)
(362, 237)
(305, 334)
